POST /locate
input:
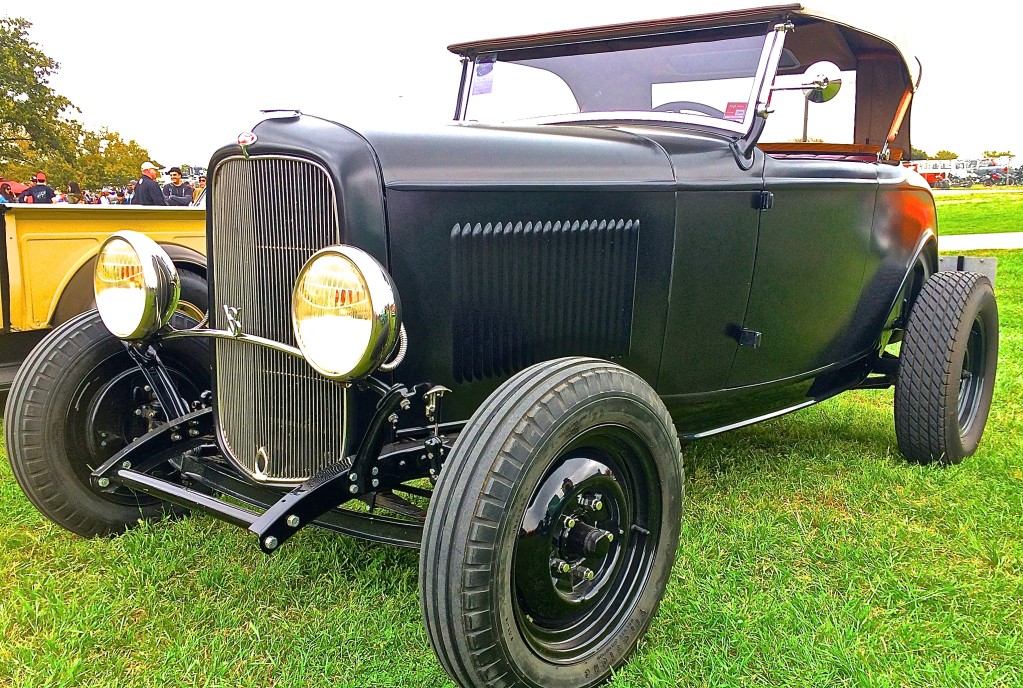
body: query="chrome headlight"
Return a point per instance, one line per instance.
(137, 285)
(345, 313)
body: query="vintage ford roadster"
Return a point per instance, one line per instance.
(488, 340)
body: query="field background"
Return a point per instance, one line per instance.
(980, 212)
(811, 555)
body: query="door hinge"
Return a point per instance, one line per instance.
(763, 200)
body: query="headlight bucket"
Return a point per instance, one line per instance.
(345, 313)
(137, 286)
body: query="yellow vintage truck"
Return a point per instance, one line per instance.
(47, 259)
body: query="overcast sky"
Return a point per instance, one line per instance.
(183, 78)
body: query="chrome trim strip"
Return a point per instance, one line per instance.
(751, 421)
(224, 334)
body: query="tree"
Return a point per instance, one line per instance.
(919, 154)
(37, 132)
(946, 155)
(106, 160)
(998, 154)
(31, 112)
(100, 159)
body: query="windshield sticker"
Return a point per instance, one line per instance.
(483, 80)
(735, 112)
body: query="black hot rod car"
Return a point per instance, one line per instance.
(603, 256)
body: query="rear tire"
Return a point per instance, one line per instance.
(71, 407)
(947, 368)
(553, 529)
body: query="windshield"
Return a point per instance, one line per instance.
(690, 76)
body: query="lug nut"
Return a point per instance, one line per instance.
(192, 432)
(293, 521)
(270, 542)
(560, 566)
(569, 522)
(175, 437)
(103, 482)
(126, 464)
(583, 574)
(353, 489)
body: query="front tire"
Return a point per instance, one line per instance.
(72, 406)
(947, 368)
(551, 535)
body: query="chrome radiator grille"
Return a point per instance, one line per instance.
(280, 420)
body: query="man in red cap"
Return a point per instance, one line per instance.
(39, 191)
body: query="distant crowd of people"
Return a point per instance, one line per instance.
(143, 191)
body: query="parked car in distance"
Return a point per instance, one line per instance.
(488, 340)
(48, 257)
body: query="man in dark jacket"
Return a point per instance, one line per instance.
(39, 191)
(147, 191)
(178, 192)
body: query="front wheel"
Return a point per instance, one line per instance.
(551, 535)
(77, 400)
(947, 368)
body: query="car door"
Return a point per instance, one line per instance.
(811, 252)
(715, 246)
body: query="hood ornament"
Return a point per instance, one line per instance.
(246, 139)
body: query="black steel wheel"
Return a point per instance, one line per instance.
(552, 532)
(947, 368)
(77, 400)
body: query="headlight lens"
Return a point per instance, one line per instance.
(137, 285)
(345, 313)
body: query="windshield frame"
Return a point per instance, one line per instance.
(758, 94)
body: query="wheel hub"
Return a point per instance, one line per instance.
(569, 547)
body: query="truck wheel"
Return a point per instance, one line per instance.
(73, 405)
(947, 368)
(551, 535)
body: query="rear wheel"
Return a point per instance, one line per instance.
(551, 535)
(77, 400)
(947, 368)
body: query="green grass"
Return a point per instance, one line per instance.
(811, 555)
(982, 212)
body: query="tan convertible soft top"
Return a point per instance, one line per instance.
(886, 75)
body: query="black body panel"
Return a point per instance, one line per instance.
(422, 265)
(644, 244)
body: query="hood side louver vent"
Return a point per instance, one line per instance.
(528, 292)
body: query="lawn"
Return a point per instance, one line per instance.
(981, 212)
(811, 555)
